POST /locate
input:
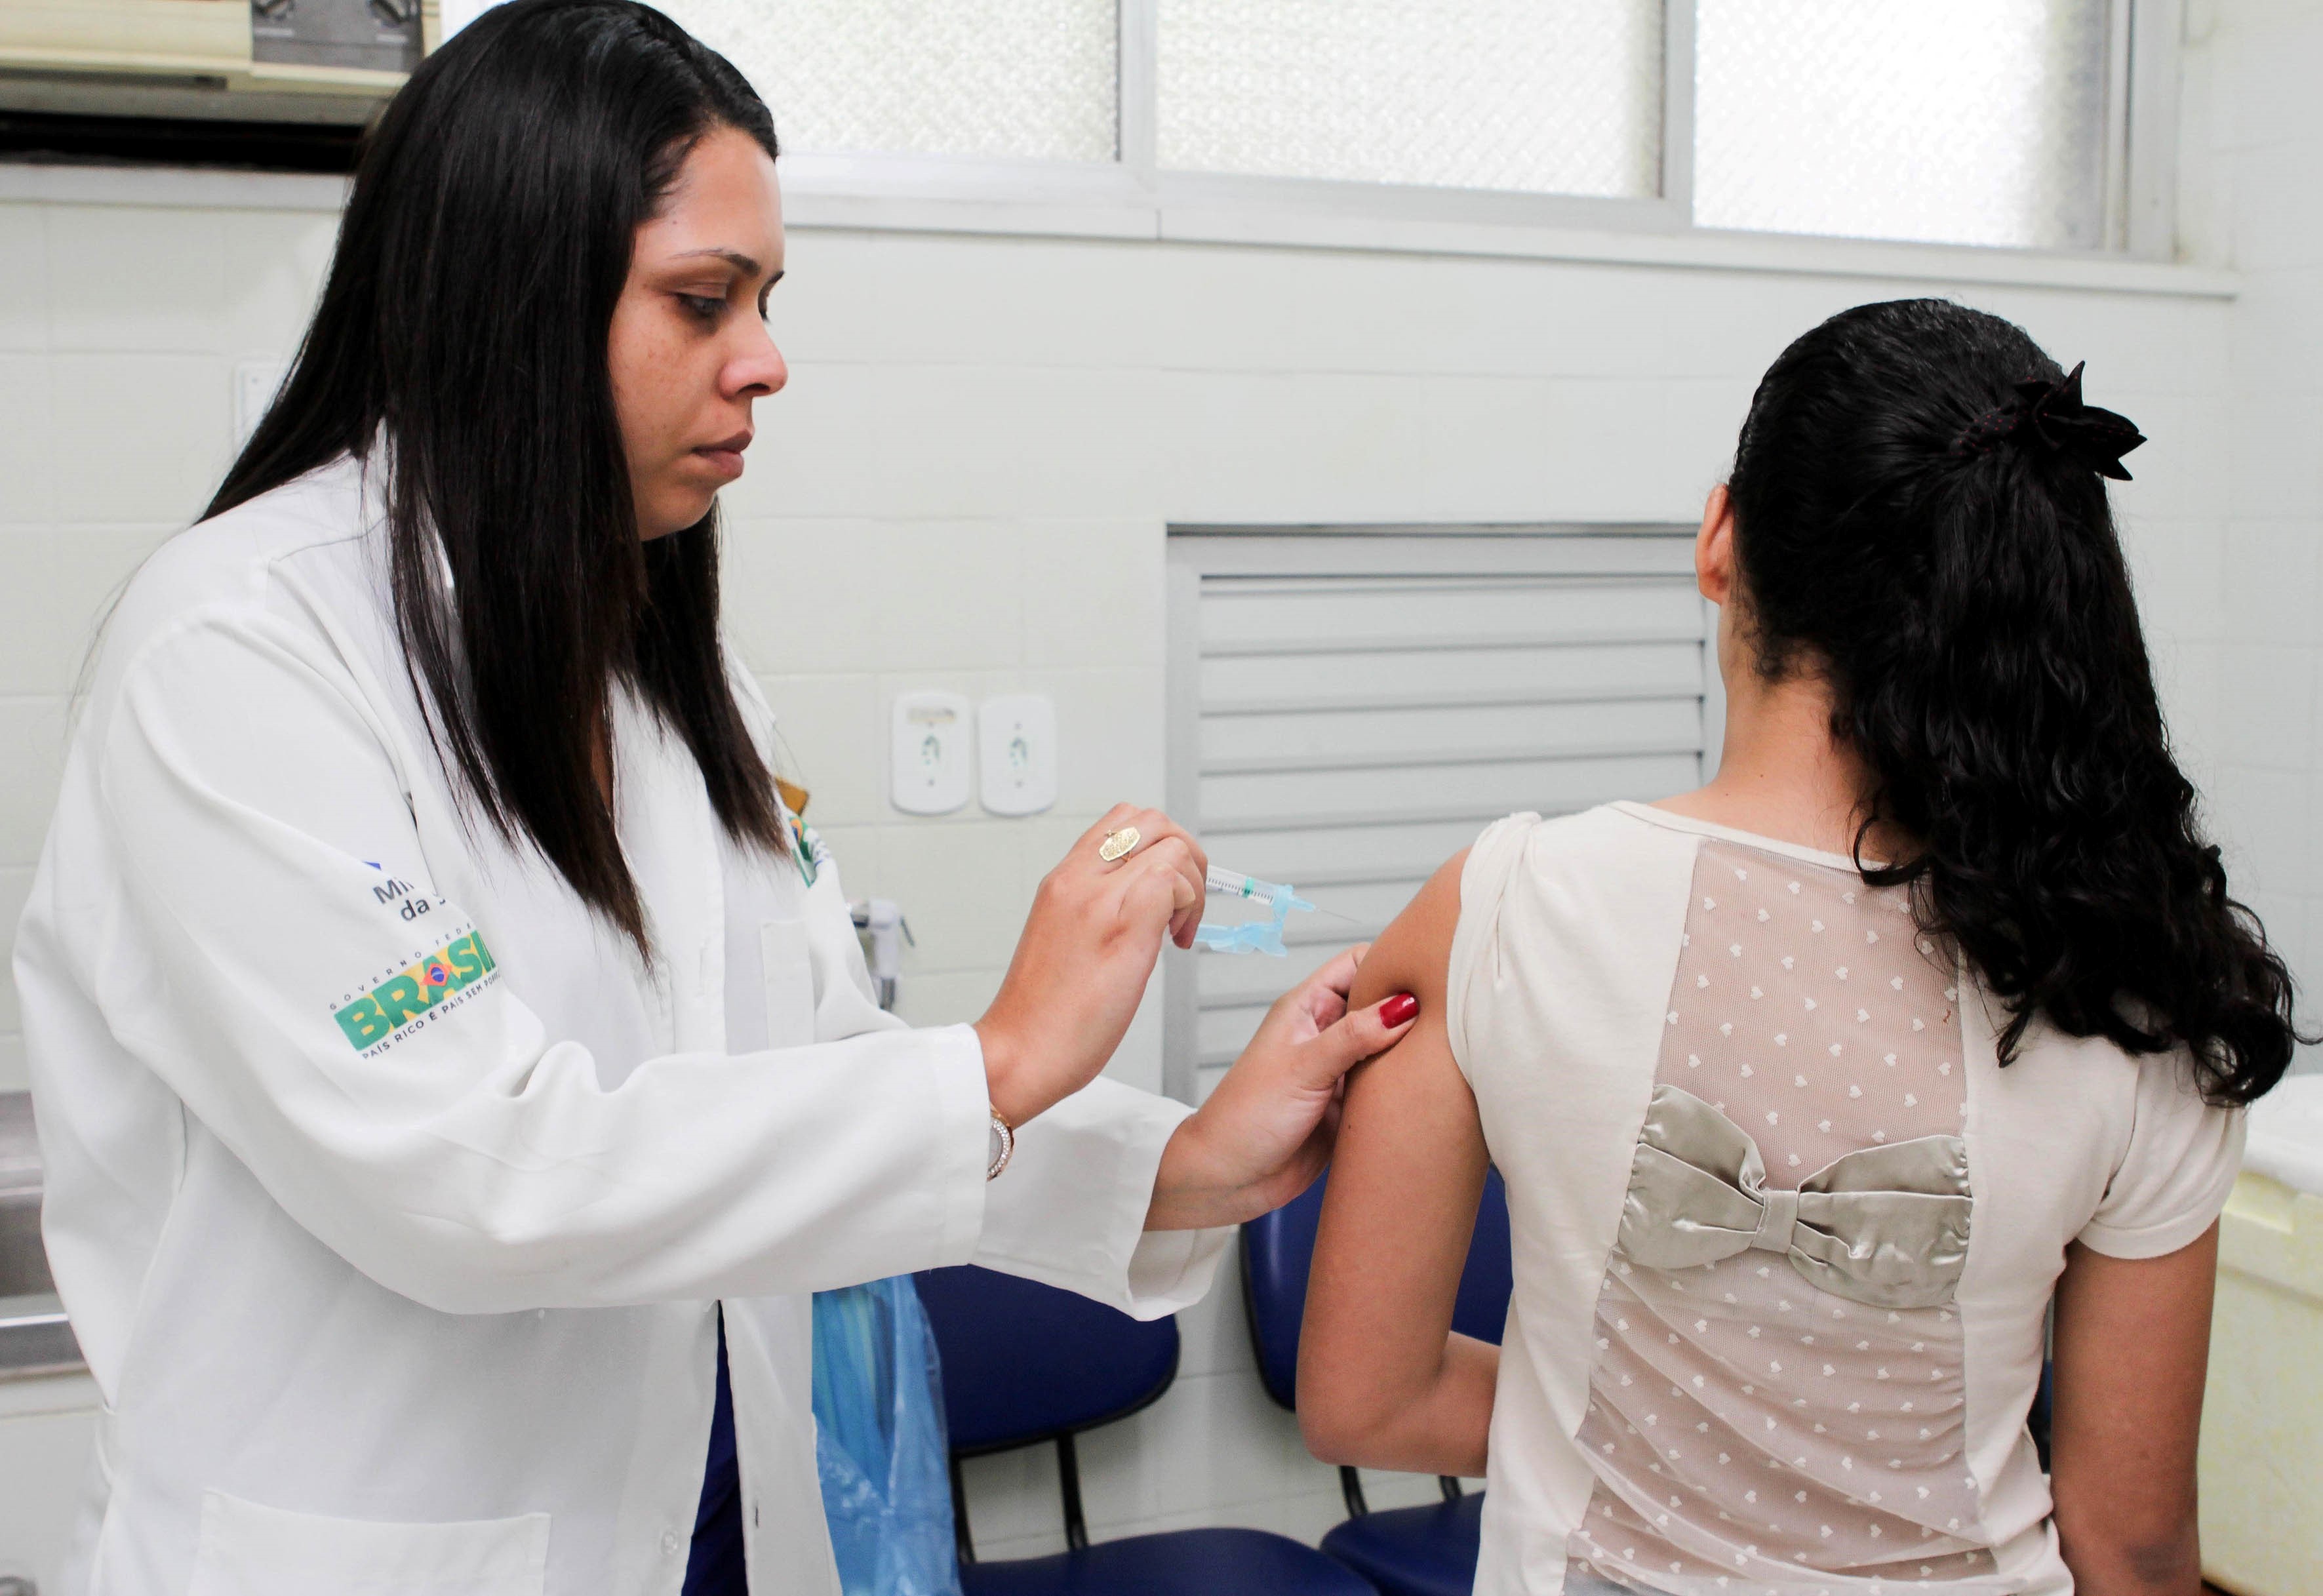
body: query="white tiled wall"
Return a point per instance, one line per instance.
(2253, 159)
(969, 484)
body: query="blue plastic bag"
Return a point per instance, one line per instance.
(880, 1444)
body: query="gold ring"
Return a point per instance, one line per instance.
(1117, 844)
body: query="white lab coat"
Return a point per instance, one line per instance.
(393, 1196)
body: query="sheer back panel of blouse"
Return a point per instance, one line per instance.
(1750, 1432)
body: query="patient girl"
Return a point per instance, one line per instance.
(1813, 1088)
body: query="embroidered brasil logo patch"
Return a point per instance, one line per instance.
(403, 997)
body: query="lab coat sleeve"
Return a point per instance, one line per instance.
(465, 1157)
(1069, 1210)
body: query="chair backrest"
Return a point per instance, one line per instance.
(1025, 1363)
(1278, 1249)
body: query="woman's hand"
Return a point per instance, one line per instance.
(1266, 1131)
(1080, 968)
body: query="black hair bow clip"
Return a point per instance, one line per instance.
(2050, 416)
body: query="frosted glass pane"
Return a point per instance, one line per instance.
(1968, 122)
(1012, 77)
(1545, 97)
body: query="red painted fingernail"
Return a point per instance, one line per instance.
(1396, 1009)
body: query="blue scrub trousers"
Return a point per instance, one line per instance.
(715, 1566)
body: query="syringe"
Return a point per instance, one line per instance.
(1251, 936)
(1234, 883)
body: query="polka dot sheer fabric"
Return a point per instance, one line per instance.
(1750, 1432)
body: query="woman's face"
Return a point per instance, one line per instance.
(690, 349)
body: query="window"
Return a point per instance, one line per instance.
(1347, 710)
(1971, 121)
(1539, 96)
(1033, 78)
(2006, 123)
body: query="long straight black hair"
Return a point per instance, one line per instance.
(459, 350)
(1960, 584)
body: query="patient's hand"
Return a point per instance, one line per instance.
(1266, 1131)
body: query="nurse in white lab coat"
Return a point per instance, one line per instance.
(435, 1020)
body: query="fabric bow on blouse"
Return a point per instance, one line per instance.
(1885, 1226)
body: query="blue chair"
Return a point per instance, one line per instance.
(1426, 1551)
(1025, 1363)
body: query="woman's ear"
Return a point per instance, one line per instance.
(1713, 548)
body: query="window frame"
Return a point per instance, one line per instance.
(1132, 197)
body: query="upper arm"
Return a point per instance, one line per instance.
(1406, 1176)
(2132, 1347)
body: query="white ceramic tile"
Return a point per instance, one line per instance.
(799, 595)
(2178, 571)
(1707, 324)
(1109, 736)
(139, 438)
(2272, 580)
(1246, 446)
(949, 597)
(1013, 1501)
(2188, 675)
(30, 484)
(2262, 819)
(137, 279)
(2307, 970)
(14, 1074)
(23, 276)
(2276, 223)
(2209, 325)
(275, 263)
(2277, 468)
(818, 451)
(955, 997)
(31, 747)
(958, 441)
(831, 740)
(2274, 61)
(1283, 311)
(961, 887)
(1214, 1334)
(970, 300)
(2132, 345)
(2269, 706)
(2314, 663)
(1556, 450)
(1215, 1439)
(1091, 592)
(63, 583)
(2277, 327)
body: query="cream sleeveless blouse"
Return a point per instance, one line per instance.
(1785, 1232)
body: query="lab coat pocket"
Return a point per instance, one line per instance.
(786, 967)
(249, 1550)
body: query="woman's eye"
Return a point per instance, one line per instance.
(702, 306)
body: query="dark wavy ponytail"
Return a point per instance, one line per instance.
(1962, 586)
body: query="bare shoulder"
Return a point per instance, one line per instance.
(1415, 952)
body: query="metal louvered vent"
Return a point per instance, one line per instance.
(1348, 708)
